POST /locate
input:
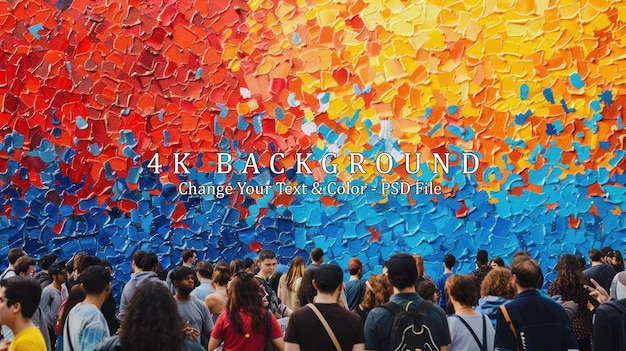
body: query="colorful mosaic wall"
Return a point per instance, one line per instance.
(95, 95)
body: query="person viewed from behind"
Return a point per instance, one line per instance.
(216, 302)
(532, 321)
(495, 290)
(355, 287)
(600, 272)
(204, 273)
(86, 326)
(608, 328)
(289, 283)
(246, 324)
(43, 277)
(152, 322)
(470, 330)
(325, 325)
(75, 296)
(145, 271)
(13, 255)
(482, 266)
(421, 273)
(378, 290)
(448, 262)
(19, 299)
(570, 285)
(402, 274)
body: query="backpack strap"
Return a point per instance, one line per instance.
(508, 320)
(326, 326)
(481, 345)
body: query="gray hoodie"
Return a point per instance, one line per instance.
(136, 279)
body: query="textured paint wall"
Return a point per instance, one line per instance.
(91, 91)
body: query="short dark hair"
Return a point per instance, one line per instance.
(482, 257)
(148, 261)
(328, 278)
(47, 260)
(317, 254)
(266, 254)
(88, 261)
(595, 255)
(26, 291)
(605, 251)
(56, 268)
(95, 279)
(401, 270)
(205, 269)
(14, 254)
(138, 256)
(527, 272)
(188, 253)
(248, 262)
(22, 264)
(181, 272)
(449, 260)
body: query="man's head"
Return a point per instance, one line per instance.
(328, 278)
(183, 279)
(401, 270)
(595, 255)
(482, 258)
(267, 263)
(149, 262)
(25, 266)
(605, 252)
(317, 255)
(58, 272)
(47, 260)
(137, 257)
(19, 299)
(14, 254)
(355, 267)
(190, 256)
(449, 260)
(204, 269)
(96, 280)
(525, 272)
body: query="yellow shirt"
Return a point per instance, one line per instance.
(29, 339)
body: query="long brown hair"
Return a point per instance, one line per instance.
(245, 295)
(569, 277)
(295, 271)
(378, 290)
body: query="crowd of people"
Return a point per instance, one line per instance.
(253, 305)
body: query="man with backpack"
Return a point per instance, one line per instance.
(406, 322)
(532, 321)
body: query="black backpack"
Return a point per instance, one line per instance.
(618, 305)
(410, 330)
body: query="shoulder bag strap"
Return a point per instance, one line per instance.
(326, 326)
(481, 345)
(508, 320)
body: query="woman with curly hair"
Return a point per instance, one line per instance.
(378, 290)
(495, 290)
(152, 322)
(289, 283)
(569, 283)
(246, 323)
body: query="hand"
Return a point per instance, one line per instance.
(4, 345)
(190, 332)
(597, 292)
